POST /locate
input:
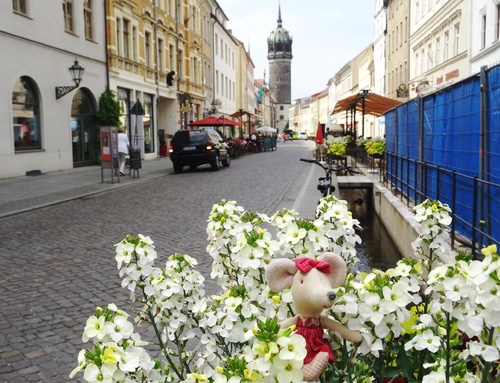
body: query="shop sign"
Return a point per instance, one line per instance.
(448, 76)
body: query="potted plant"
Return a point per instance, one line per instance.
(375, 147)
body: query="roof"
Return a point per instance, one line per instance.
(375, 104)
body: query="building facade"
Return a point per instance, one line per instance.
(397, 51)
(379, 46)
(438, 44)
(47, 117)
(485, 34)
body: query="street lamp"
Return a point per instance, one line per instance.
(76, 73)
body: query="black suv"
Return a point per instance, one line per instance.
(197, 147)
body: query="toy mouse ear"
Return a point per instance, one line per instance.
(279, 273)
(338, 267)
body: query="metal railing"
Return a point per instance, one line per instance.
(471, 199)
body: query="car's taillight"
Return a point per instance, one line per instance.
(170, 149)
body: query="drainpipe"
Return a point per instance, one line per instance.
(157, 101)
(106, 42)
(178, 61)
(214, 18)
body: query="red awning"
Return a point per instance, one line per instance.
(215, 121)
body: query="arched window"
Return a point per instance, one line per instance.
(26, 115)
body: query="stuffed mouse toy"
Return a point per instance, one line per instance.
(312, 282)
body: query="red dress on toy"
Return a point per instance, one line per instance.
(311, 330)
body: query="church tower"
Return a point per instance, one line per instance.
(279, 54)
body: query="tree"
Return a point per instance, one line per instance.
(109, 109)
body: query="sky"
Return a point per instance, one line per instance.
(326, 34)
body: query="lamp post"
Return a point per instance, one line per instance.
(242, 130)
(363, 93)
(76, 73)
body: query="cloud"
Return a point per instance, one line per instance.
(326, 35)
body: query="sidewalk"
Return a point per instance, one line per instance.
(21, 194)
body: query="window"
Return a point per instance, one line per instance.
(483, 31)
(497, 26)
(19, 6)
(147, 49)
(134, 44)
(171, 58)
(429, 57)
(126, 39)
(124, 101)
(87, 17)
(401, 34)
(446, 47)
(417, 64)
(456, 39)
(160, 55)
(26, 115)
(422, 61)
(68, 15)
(438, 51)
(217, 82)
(180, 56)
(119, 49)
(148, 124)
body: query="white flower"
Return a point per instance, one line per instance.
(119, 329)
(427, 340)
(287, 371)
(82, 360)
(94, 374)
(94, 328)
(128, 360)
(293, 347)
(124, 251)
(488, 353)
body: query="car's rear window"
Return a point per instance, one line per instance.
(198, 137)
(181, 138)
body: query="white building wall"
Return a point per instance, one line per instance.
(439, 43)
(484, 34)
(37, 46)
(379, 47)
(225, 64)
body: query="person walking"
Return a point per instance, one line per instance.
(123, 149)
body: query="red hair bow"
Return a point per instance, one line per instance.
(306, 264)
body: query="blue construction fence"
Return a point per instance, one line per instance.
(444, 145)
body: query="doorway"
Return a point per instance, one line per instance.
(84, 129)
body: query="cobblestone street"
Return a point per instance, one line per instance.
(58, 263)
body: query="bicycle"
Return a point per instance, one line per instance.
(325, 183)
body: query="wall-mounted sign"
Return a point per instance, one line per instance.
(448, 76)
(402, 91)
(423, 87)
